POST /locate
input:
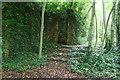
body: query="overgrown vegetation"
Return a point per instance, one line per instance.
(97, 64)
(27, 60)
(89, 38)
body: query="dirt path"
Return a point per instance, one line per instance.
(53, 68)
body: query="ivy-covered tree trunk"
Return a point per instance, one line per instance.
(104, 21)
(68, 30)
(118, 25)
(106, 38)
(90, 32)
(7, 49)
(56, 32)
(113, 26)
(42, 29)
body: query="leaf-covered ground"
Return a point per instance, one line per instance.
(72, 62)
(56, 67)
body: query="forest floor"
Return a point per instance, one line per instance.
(52, 69)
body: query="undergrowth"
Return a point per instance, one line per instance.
(96, 64)
(27, 60)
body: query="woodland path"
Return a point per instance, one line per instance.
(55, 68)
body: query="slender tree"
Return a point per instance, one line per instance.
(68, 24)
(118, 25)
(104, 13)
(104, 19)
(96, 31)
(107, 41)
(90, 33)
(42, 29)
(113, 26)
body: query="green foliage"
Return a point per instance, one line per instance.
(55, 54)
(0, 45)
(47, 46)
(76, 54)
(23, 61)
(17, 26)
(96, 65)
(21, 23)
(26, 60)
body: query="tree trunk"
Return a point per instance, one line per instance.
(8, 49)
(42, 29)
(68, 23)
(96, 32)
(104, 20)
(68, 31)
(106, 39)
(90, 33)
(118, 25)
(56, 32)
(113, 26)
